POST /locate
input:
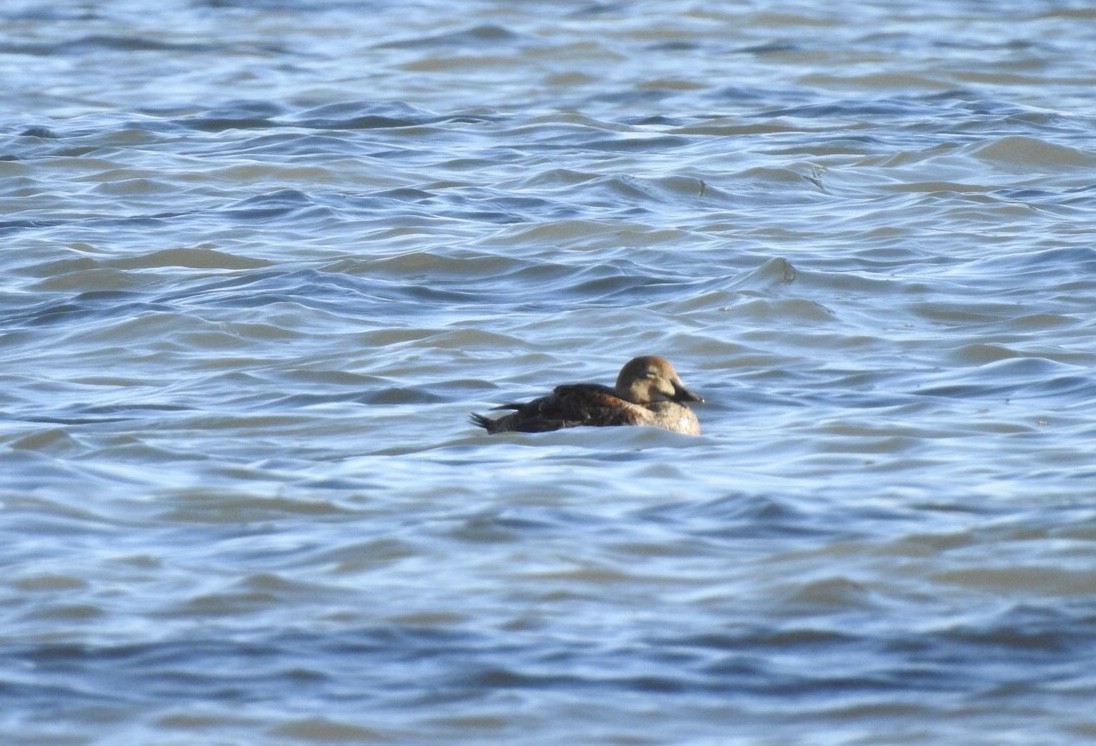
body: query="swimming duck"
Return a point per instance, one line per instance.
(647, 392)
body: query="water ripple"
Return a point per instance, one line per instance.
(265, 257)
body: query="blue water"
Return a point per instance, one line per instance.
(261, 259)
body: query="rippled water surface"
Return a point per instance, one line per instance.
(261, 258)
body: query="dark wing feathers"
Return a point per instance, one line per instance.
(569, 405)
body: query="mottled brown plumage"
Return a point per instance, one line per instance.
(648, 391)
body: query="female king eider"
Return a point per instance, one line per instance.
(647, 392)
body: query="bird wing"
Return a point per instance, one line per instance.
(570, 405)
(576, 404)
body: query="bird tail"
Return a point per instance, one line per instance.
(480, 421)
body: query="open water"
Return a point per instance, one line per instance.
(261, 258)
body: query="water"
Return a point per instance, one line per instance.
(262, 258)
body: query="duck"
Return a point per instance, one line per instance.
(648, 392)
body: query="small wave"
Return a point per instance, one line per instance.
(1027, 152)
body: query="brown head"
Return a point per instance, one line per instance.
(649, 379)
